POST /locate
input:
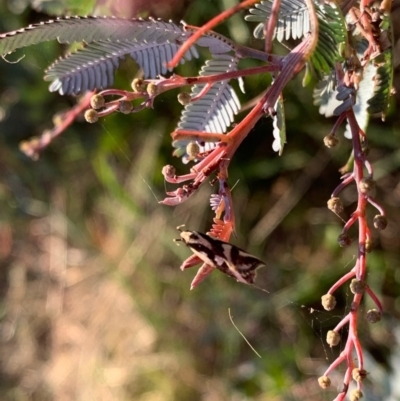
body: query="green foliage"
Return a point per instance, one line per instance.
(293, 23)
(379, 103)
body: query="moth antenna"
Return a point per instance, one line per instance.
(244, 337)
(234, 185)
(259, 288)
(176, 240)
(180, 227)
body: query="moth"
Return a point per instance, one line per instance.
(226, 257)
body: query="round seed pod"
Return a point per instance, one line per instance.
(330, 141)
(152, 89)
(367, 185)
(335, 204)
(91, 116)
(328, 301)
(138, 85)
(184, 98)
(58, 119)
(29, 148)
(380, 222)
(359, 374)
(373, 316)
(168, 171)
(192, 149)
(356, 395)
(97, 102)
(125, 107)
(344, 240)
(324, 382)
(357, 286)
(332, 338)
(365, 148)
(369, 246)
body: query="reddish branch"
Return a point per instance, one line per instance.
(208, 27)
(353, 353)
(35, 145)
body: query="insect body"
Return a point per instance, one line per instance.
(226, 257)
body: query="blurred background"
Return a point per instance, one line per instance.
(93, 304)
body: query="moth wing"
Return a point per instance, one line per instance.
(200, 244)
(226, 257)
(241, 264)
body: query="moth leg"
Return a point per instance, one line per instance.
(180, 227)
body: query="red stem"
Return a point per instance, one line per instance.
(341, 281)
(270, 27)
(33, 147)
(337, 123)
(336, 363)
(376, 205)
(344, 321)
(374, 298)
(208, 27)
(349, 179)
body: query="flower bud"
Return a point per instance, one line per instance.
(359, 374)
(373, 316)
(328, 301)
(168, 171)
(344, 240)
(125, 107)
(91, 116)
(369, 246)
(357, 286)
(332, 338)
(365, 148)
(330, 141)
(97, 102)
(138, 85)
(152, 89)
(192, 149)
(324, 382)
(380, 222)
(356, 395)
(29, 148)
(336, 205)
(184, 98)
(58, 119)
(366, 185)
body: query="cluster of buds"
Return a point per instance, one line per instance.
(123, 104)
(358, 274)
